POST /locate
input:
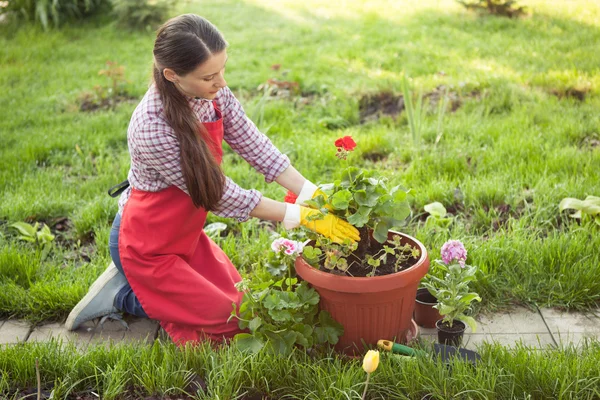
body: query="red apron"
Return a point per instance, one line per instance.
(180, 276)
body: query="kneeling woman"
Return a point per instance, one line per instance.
(164, 266)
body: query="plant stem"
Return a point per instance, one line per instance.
(366, 386)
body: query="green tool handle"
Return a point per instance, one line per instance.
(399, 348)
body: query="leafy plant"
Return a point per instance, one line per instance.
(452, 290)
(39, 234)
(590, 207)
(506, 8)
(438, 216)
(367, 201)
(47, 12)
(141, 14)
(108, 95)
(280, 314)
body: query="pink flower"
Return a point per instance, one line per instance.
(454, 250)
(289, 247)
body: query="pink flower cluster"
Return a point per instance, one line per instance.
(289, 247)
(454, 250)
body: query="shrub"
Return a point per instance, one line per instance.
(505, 8)
(141, 14)
(52, 12)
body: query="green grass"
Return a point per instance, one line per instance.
(505, 158)
(137, 370)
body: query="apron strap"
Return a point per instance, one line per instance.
(118, 189)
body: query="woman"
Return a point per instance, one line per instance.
(164, 266)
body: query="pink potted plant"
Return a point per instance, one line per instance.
(452, 293)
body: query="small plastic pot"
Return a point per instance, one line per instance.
(425, 315)
(451, 336)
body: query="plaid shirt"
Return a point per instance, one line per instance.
(155, 154)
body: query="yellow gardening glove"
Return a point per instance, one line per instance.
(328, 225)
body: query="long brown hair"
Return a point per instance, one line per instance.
(182, 44)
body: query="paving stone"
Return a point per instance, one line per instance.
(81, 337)
(570, 322)
(527, 321)
(110, 332)
(495, 323)
(142, 330)
(14, 332)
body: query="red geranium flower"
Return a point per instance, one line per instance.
(346, 143)
(290, 197)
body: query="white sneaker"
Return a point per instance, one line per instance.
(98, 301)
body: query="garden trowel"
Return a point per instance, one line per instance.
(445, 352)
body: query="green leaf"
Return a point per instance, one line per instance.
(307, 295)
(570, 203)
(281, 315)
(401, 210)
(25, 229)
(400, 196)
(470, 297)
(591, 206)
(329, 330)
(248, 343)
(341, 200)
(273, 301)
(304, 334)
(381, 231)
(255, 323)
(445, 309)
(436, 209)
(364, 198)
(350, 175)
(469, 321)
(360, 217)
(282, 343)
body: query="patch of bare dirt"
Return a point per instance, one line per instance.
(577, 93)
(591, 141)
(374, 106)
(88, 103)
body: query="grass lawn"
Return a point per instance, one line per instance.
(523, 134)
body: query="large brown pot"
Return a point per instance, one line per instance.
(369, 308)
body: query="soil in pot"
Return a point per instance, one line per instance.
(425, 315)
(450, 335)
(369, 246)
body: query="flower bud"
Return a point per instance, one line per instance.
(371, 361)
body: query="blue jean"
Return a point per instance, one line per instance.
(125, 300)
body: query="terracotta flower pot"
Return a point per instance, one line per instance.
(451, 336)
(369, 308)
(425, 315)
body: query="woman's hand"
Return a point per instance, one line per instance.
(328, 225)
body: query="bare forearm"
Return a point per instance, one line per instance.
(269, 209)
(291, 179)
